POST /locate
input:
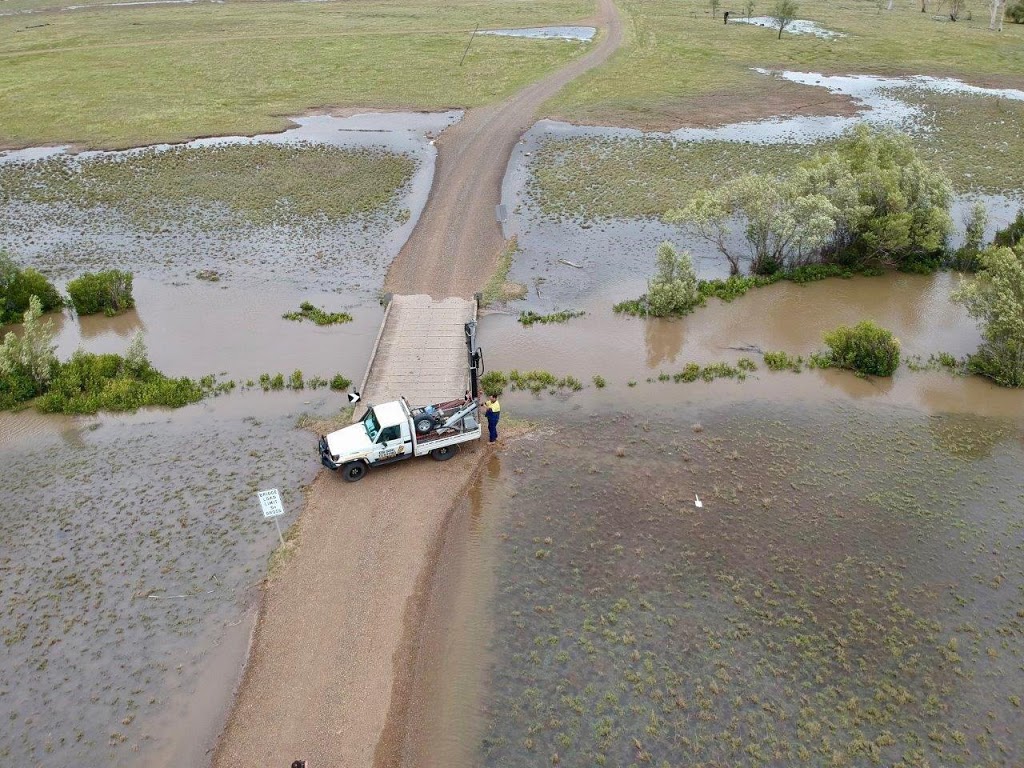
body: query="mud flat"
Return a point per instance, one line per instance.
(849, 591)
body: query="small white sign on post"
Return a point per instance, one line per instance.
(270, 503)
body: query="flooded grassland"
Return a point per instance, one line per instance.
(133, 547)
(850, 592)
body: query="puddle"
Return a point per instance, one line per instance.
(64, 240)
(876, 96)
(852, 572)
(582, 34)
(135, 648)
(795, 27)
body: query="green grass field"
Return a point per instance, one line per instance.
(118, 77)
(676, 53)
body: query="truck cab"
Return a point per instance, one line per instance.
(381, 435)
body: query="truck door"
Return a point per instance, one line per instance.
(390, 443)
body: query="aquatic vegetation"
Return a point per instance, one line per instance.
(865, 348)
(339, 382)
(783, 361)
(493, 382)
(109, 292)
(600, 382)
(308, 311)
(530, 317)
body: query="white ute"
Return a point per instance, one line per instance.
(394, 431)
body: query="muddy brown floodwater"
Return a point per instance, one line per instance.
(850, 592)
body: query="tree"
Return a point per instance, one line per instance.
(18, 285)
(783, 228)
(784, 12)
(995, 297)
(31, 355)
(108, 292)
(998, 12)
(892, 208)
(966, 256)
(673, 291)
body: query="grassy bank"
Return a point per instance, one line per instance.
(129, 76)
(679, 64)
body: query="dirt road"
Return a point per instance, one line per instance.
(338, 627)
(455, 246)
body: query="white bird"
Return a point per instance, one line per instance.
(697, 502)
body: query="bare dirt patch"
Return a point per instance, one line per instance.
(771, 98)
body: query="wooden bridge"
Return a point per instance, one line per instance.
(420, 352)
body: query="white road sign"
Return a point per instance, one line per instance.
(270, 501)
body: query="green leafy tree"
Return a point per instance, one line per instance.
(783, 228)
(784, 13)
(866, 348)
(893, 209)
(27, 362)
(966, 256)
(1013, 233)
(673, 291)
(995, 297)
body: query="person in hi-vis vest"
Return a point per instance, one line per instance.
(492, 410)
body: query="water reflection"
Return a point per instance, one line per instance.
(664, 340)
(124, 325)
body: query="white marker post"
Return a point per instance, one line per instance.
(270, 502)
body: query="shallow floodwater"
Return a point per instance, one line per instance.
(795, 27)
(850, 592)
(582, 34)
(877, 97)
(132, 553)
(238, 332)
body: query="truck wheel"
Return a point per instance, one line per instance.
(424, 424)
(443, 454)
(354, 471)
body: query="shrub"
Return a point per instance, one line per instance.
(108, 292)
(865, 348)
(599, 382)
(339, 382)
(88, 383)
(296, 380)
(18, 285)
(1015, 12)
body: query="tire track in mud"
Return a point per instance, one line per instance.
(454, 247)
(329, 667)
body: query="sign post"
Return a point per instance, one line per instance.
(270, 503)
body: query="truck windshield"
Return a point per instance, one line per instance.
(371, 424)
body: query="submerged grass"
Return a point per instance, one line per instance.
(529, 317)
(856, 603)
(259, 184)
